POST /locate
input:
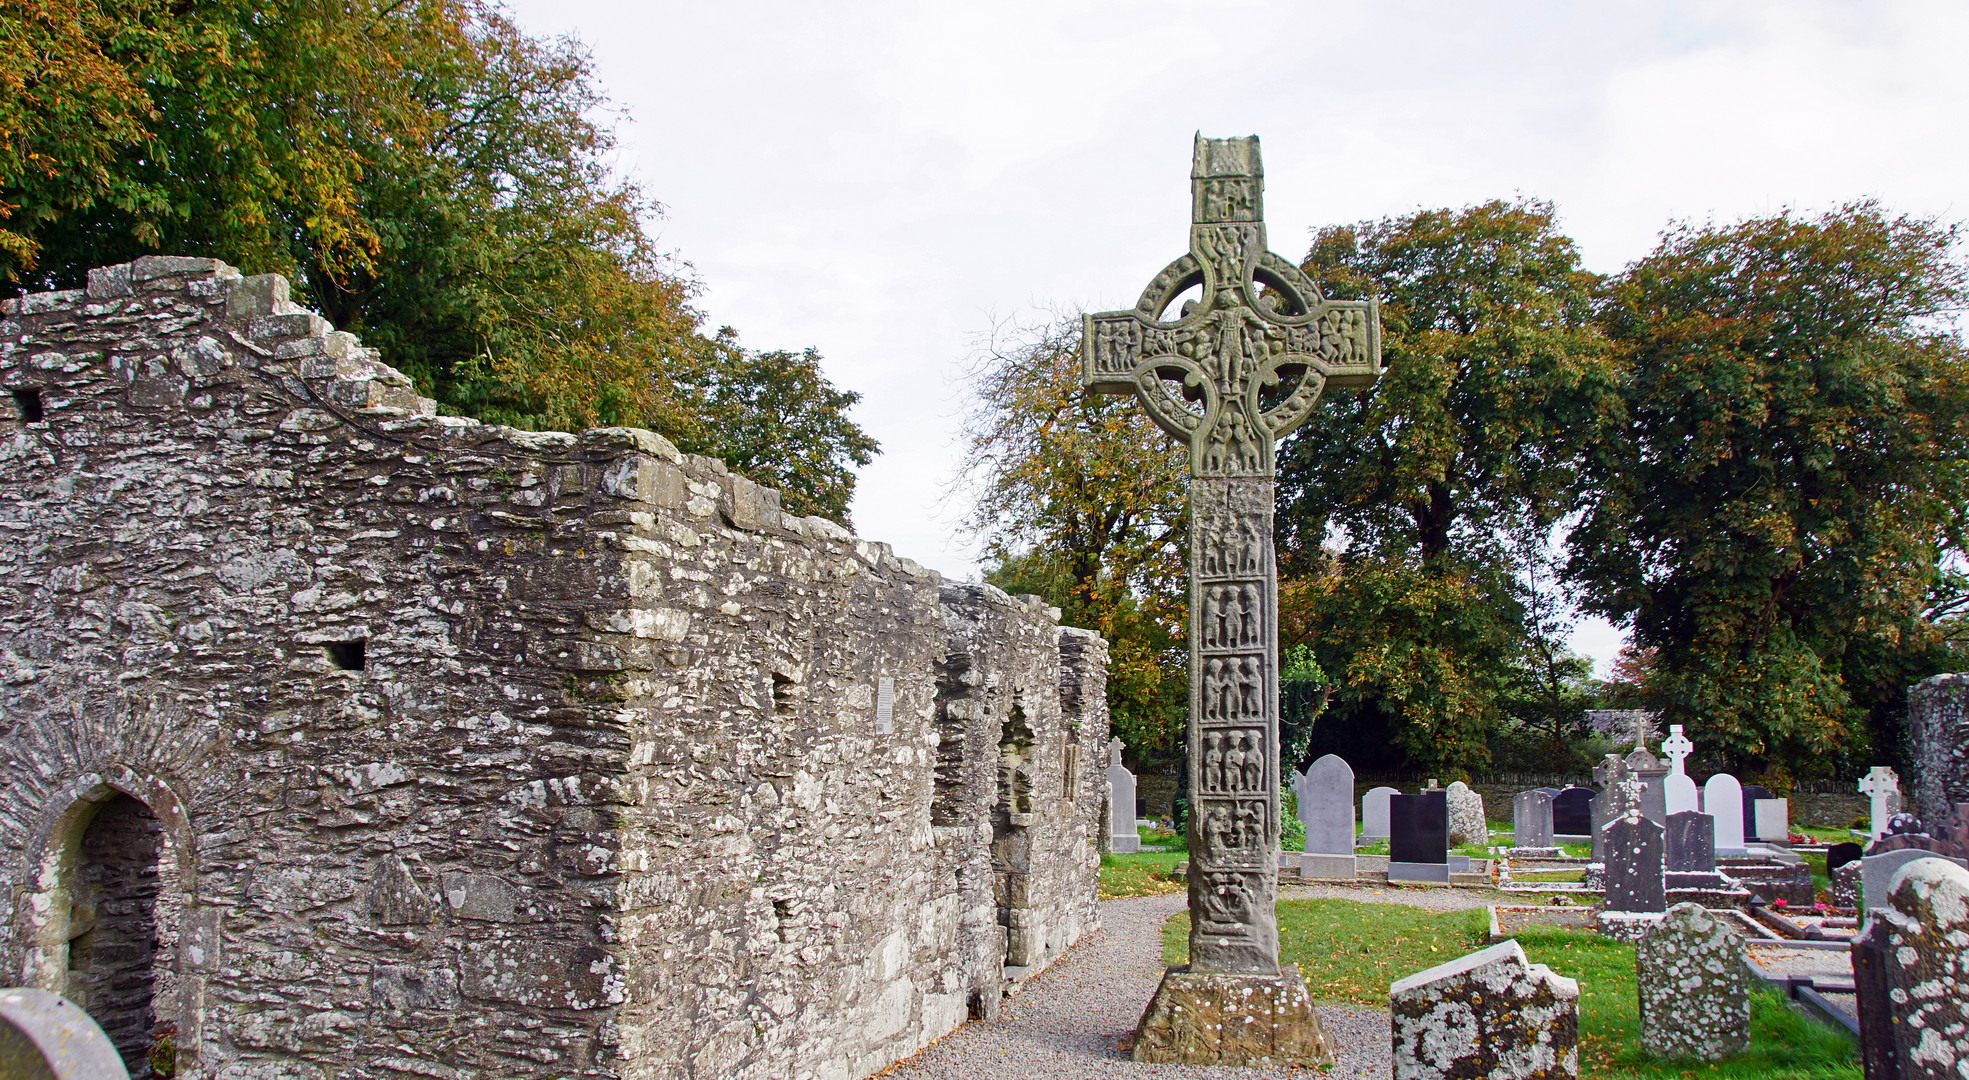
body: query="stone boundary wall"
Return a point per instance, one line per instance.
(477, 752)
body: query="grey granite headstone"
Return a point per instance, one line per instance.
(1722, 799)
(1635, 880)
(1490, 1014)
(1531, 819)
(1374, 813)
(1326, 806)
(1466, 815)
(1418, 841)
(1691, 840)
(1609, 773)
(1752, 793)
(1911, 973)
(1694, 986)
(44, 1036)
(1123, 834)
(1774, 821)
(1653, 777)
(1877, 871)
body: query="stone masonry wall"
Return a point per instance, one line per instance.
(1938, 726)
(481, 752)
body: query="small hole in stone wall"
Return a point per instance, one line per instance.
(29, 404)
(786, 694)
(347, 655)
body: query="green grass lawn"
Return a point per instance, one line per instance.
(1143, 873)
(1350, 952)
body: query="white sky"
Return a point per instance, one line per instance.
(884, 180)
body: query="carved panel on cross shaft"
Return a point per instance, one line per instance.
(1226, 198)
(1228, 548)
(1233, 690)
(1234, 831)
(1233, 762)
(1232, 616)
(1227, 898)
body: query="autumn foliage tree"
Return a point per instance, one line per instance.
(1777, 518)
(430, 177)
(1081, 500)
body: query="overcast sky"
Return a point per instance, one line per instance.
(884, 181)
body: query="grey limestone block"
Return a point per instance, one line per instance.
(1693, 984)
(1531, 819)
(1489, 1014)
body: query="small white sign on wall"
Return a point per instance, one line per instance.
(885, 705)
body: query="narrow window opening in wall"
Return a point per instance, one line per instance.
(786, 695)
(348, 655)
(113, 947)
(29, 404)
(1070, 780)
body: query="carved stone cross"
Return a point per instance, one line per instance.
(1677, 746)
(1882, 785)
(1228, 375)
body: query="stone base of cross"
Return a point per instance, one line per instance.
(1229, 375)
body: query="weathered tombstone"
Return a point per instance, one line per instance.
(1838, 855)
(1877, 872)
(1489, 1014)
(1911, 975)
(45, 1036)
(1259, 325)
(1531, 820)
(1572, 813)
(1694, 986)
(1123, 835)
(1845, 888)
(1722, 799)
(1466, 815)
(1882, 787)
(1326, 805)
(1774, 821)
(1644, 767)
(1751, 794)
(1609, 773)
(1418, 840)
(1691, 848)
(1374, 813)
(1635, 864)
(1938, 728)
(1679, 792)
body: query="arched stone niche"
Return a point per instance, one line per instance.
(87, 841)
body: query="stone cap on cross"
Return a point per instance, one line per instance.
(1243, 364)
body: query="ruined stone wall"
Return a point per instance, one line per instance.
(1938, 726)
(477, 752)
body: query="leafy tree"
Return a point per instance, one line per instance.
(1081, 500)
(1404, 508)
(1776, 521)
(432, 179)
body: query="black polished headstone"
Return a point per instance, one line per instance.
(1572, 812)
(1839, 855)
(1691, 840)
(1418, 828)
(1635, 864)
(1752, 793)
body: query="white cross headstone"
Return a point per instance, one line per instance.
(1678, 790)
(1883, 786)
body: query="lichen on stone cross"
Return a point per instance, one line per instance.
(1228, 375)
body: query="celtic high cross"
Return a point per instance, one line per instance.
(1228, 375)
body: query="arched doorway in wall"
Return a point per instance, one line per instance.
(121, 896)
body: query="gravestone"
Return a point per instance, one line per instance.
(1466, 815)
(1910, 974)
(1722, 799)
(1679, 792)
(1489, 1014)
(1123, 835)
(1751, 794)
(1877, 872)
(1694, 986)
(45, 1036)
(1572, 814)
(1611, 771)
(1774, 821)
(1882, 787)
(1418, 841)
(1845, 888)
(1198, 371)
(1531, 821)
(1652, 775)
(1690, 859)
(1635, 864)
(1326, 806)
(1374, 813)
(1838, 855)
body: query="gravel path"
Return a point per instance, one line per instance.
(1072, 1019)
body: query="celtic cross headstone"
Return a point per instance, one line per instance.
(1227, 375)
